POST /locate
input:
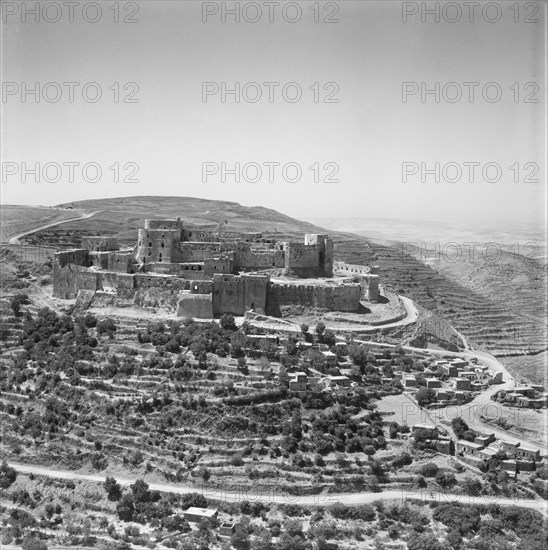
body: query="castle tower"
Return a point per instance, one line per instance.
(159, 241)
(324, 246)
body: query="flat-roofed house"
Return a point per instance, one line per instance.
(409, 382)
(468, 447)
(432, 383)
(462, 384)
(527, 453)
(484, 439)
(341, 381)
(298, 381)
(195, 514)
(227, 528)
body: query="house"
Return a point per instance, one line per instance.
(494, 377)
(432, 383)
(484, 439)
(527, 391)
(509, 447)
(195, 514)
(461, 384)
(512, 396)
(468, 447)
(298, 381)
(341, 381)
(450, 370)
(423, 426)
(459, 363)
(444, 394)
(409, 382)
(227, 528)
(459, 396)
(330, 358)
(488, 452)
(527, 453)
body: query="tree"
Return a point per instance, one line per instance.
(445, 479)
(20, 299)
(113, 488)
(429, 470)
(459, 426)
(126, 508)
(425, 396)
(32, 542)
(421, 482)
(7, 475)
(227, 321)
(240, 538)
(320, 328)
(140, 491)
(369, 450)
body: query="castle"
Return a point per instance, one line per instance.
(203, 274)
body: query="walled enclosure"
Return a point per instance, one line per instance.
(199, 278)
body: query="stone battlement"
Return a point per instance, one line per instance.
(208, 270)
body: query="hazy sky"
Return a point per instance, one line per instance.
(169, 132)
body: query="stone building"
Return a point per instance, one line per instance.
(205, 273)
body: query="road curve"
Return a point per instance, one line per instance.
(323, 499)
(16, 239)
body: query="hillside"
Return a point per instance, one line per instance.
(502, 314)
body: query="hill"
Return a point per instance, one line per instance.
(504, 319)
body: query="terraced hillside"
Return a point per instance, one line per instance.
(486, 324)
(499, 308)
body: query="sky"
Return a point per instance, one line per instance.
(154, 132)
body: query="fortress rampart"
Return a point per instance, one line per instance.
(206, 276)
(340, 297)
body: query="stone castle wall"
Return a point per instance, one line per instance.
(250, 258)
(332, 297)
(100, 243)
(237, 294)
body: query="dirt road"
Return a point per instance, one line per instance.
(324, 499)
(16, 239)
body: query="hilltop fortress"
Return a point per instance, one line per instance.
(203, 274)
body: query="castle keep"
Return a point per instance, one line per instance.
(204, 274)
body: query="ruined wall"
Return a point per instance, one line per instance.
(201, 287)
(332, 297)
(125, 285)
(198, 251)
(217, 265)
(99, 259)
(158, 291)
(121, 262)
(343, 268)
(190, 271)
(76, 256)
(367, 277)
(67, 269)
(199, 306)
(250, 258)
(313, 258)
(68, 280)
(167, 224)
(100, 243)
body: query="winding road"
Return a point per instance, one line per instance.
(17, 238)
